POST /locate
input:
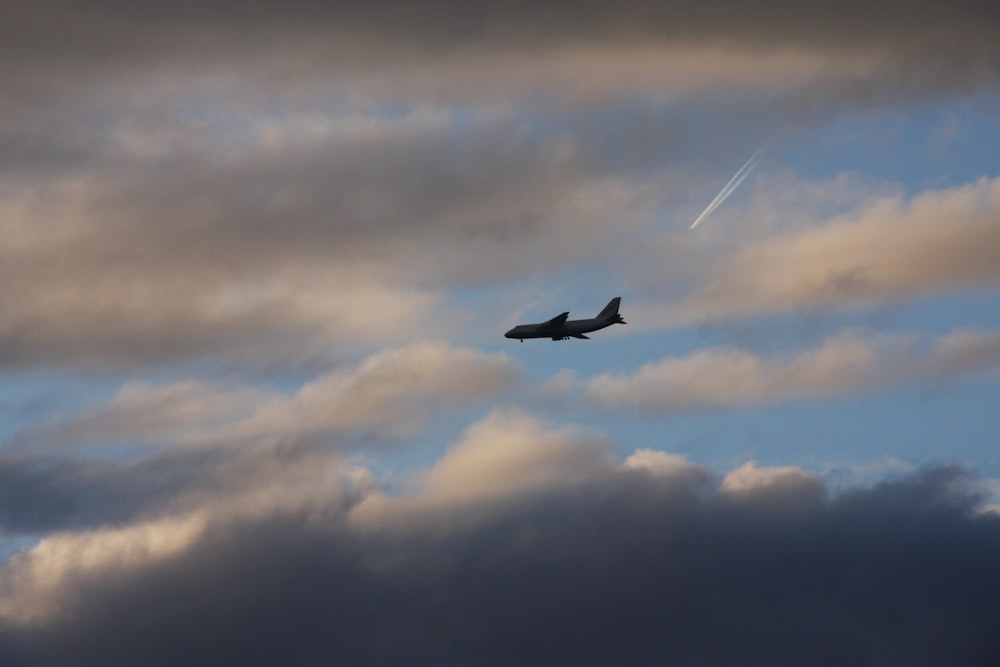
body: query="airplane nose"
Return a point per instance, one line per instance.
(509, 334)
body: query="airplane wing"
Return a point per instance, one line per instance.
(580, 336)
(558, 319)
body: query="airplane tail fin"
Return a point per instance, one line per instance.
(612, 307)
(611, 311)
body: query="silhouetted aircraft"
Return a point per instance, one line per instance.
(559, 328)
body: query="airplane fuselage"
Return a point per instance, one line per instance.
(560, 328)
(569, 329)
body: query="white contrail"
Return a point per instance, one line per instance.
(733, 183)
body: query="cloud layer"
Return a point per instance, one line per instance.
(887, 251)
(259, 221)
(388, 395)
(386, 30)
(649, 562)
(848, 363)
(279, 185)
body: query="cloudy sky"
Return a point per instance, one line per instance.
(257, 259)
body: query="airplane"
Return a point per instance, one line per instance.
(559, 328)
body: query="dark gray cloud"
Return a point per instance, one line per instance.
(42, 493)
(449, 49)
(957, 29)
(629, 568)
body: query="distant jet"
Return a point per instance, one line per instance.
(559, 328)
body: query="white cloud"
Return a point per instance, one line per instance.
(507, 455)
(391, 394)
(751, 478)
(847, 363)
(888, 250)
(41, 581)
(662, 464)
